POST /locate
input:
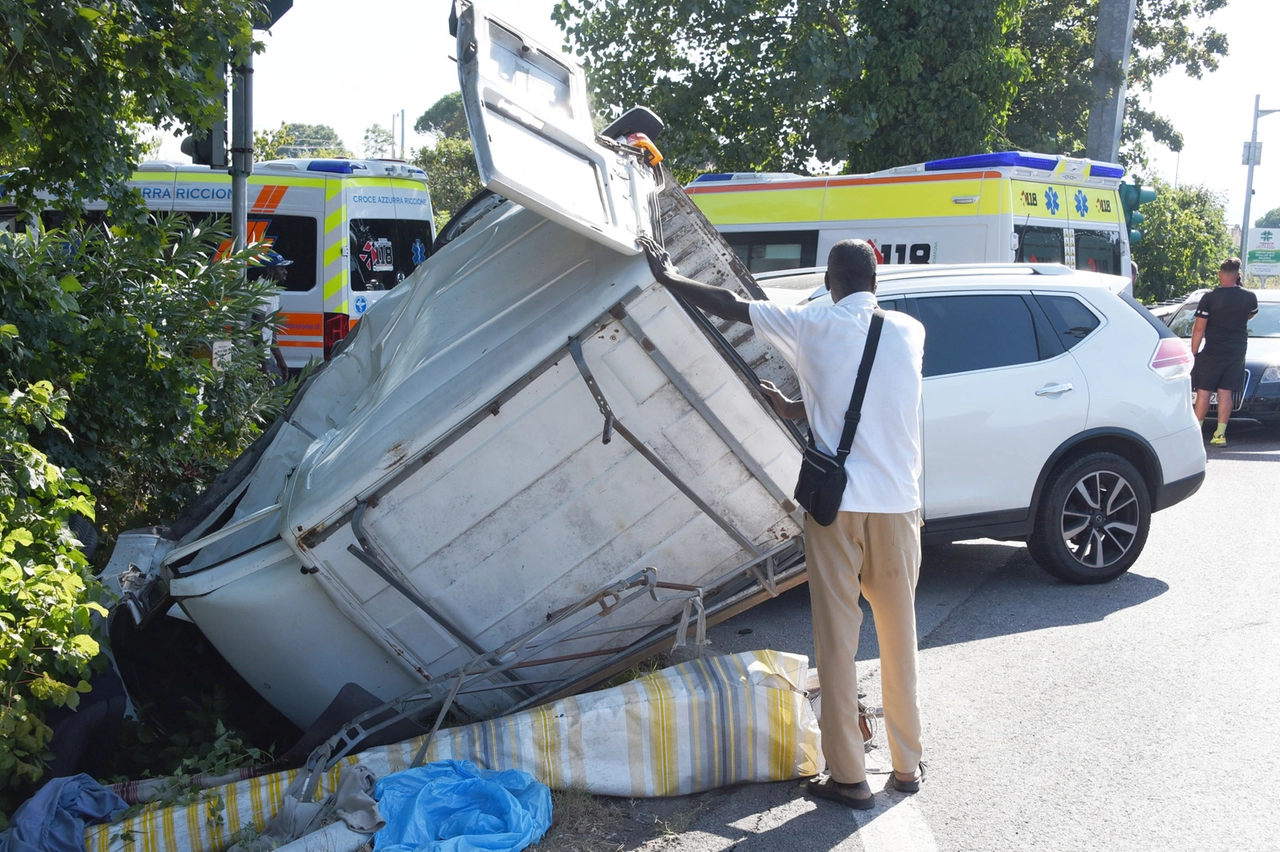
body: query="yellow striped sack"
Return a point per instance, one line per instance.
(703, 724)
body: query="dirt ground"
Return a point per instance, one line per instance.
(586, 823)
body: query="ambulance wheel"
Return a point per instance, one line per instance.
(1093, 520)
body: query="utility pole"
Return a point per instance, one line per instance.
(402, 134)
(1252, 157)
(1112, 45)
(241, 148)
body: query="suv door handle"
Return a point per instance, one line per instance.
(1052, 390)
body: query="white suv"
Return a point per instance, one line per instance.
(1057, 410)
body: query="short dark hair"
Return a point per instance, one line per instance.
(852, 265)
(1231, 264)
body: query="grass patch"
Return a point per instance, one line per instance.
(582, 822)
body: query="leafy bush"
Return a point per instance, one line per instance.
(1184, 239)
(124, 320)
(47, 593)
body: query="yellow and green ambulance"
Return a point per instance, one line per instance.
(1005, 207)
(350, 230)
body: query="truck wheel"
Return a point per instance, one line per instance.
(83, 529)
(1092, 523)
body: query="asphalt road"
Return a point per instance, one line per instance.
(1139, 715)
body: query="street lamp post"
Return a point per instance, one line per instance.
(1252, 158)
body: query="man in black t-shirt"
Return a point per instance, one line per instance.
(1222, 320)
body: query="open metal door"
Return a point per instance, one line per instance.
(527, 110)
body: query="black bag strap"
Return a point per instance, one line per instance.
(854, 414)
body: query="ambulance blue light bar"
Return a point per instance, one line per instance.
(714, 177)
(340, 167)
(1099, 170)
(986, 161)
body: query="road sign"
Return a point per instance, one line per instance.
(1264, 252)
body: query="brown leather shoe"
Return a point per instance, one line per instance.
(896, 783)
(857, 796)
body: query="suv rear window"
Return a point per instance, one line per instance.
(1071, 320)
(964, 333)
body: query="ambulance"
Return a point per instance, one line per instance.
(351, 230)
(1004, 207)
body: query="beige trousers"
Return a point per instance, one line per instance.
(877, 555)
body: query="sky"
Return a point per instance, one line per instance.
(327, 62)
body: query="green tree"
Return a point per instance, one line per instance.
(450, 165)
(270, 144)
(940, 79)
(127, 332)
(48, 597)
(769, 85)
(379, 141)
(1270, 219)
(443, 118)
(1184, 238)
(314, 140)
(1051, 111)
(78, 76)
(777, 85)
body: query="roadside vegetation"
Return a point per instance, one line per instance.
(1184, 239)
(111, 410)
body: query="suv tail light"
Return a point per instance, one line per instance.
(1172, 358)
(336, 327)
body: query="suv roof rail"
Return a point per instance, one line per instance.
(908, 270)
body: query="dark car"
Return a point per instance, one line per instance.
(1261, 398)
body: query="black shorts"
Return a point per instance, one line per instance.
(1218, 372)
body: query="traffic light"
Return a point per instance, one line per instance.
(209, 149)
(276, 8)
(1133, 195)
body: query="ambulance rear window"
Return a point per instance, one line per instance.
(1098, 251)
(384, 252)
(1039, 245)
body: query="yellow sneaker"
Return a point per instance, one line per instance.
(1218, 440)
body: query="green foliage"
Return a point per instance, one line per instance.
(450, 165)
(784, 86)
(1184, 239)
(379, 141)
(444, 118)
(269, 144)
(313, 140)
(121, 325)
(939, 80)
(204, 745)
(765, 85)
(1270, 219)
(48, 597)
(78, 76)
(1051, 112)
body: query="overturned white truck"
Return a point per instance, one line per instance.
(527, 467)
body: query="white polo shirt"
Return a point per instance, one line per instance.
(823, 342)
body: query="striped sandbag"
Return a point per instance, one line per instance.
(703, 724)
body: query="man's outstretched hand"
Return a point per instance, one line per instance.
(659, 260)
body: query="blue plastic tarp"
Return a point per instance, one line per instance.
(454, 806)
(53, 820)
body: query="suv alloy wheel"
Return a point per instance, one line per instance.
(1093, 521)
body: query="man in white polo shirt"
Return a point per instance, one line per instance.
(873, 547)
